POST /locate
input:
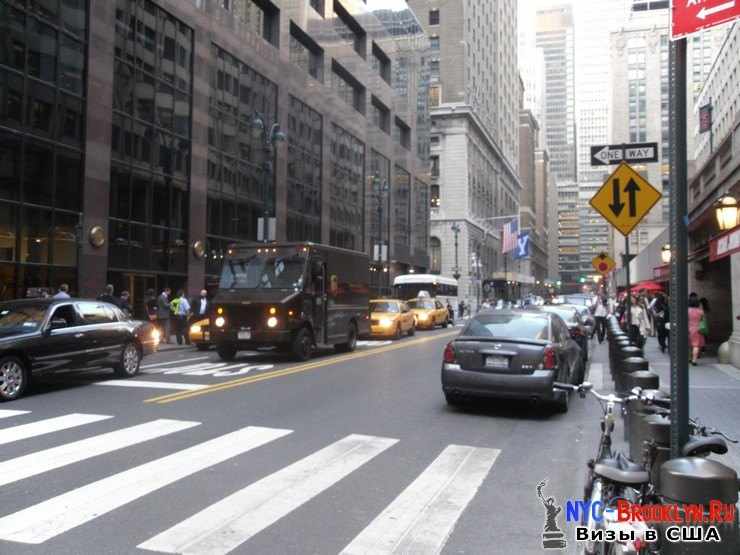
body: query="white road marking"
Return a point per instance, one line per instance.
(153, 385)
(11, 413)
(48, 426)
(373, 343)
(48, 519)
(180, 361)
(422, 517)
(36, 463)
(225, 525)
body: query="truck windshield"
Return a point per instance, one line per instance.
(264, 271)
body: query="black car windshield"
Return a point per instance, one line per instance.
(508, 326)
(274, 270)
(384, 307)
(426, 304)
(20, 319)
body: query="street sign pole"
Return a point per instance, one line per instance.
(629, 285)
(679, 333)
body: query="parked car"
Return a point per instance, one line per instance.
(576, 326)
(511, 354)
(46, 335)
(200, 334)
(429, 313)
(587, 316)
(391, 317)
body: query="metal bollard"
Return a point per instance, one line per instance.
(635, 420)
(642, 379)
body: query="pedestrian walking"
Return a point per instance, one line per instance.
(124, 303)
(107, 296)
(164, 314)
(461, 309)
(600, 313)
(698, 329)
(181, 312)
(640, 328)
(659, 309)
(450, 312)
(63, 292)
(150, 307)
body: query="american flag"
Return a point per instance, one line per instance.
(511, 233)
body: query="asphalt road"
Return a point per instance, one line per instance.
(352, 453)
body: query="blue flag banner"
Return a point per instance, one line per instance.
(523, 247)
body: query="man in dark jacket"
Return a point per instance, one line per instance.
(107, 296)
(164, 314)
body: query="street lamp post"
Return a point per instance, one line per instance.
(268, 139)
(456, 270)
(381, 188)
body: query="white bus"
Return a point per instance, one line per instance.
(443, 288)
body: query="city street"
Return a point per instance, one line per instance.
(265, 455)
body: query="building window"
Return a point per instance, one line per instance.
(402, 133)
(434, 17)
(349, 29)
(305, 137)
(239, 191)
(401, 203)
(381, 115)
(434, 42)
(42, 122)
(435, 95)
(434, 70)
(421, 218)
(347, 87)
(380, 175)
(434, 160)
(305, 53)
(346, 188)
(150, 147)
(435, 255)
(381, 63)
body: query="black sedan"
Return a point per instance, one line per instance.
(579, 331)
(46, 335)
(511, 354)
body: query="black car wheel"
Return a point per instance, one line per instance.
(14, 377)
(302, 345)
(202, 346)
(351, 343)
(562, 399)
(412, 331)
(453, 399)
(398, 333)
(445, 323)
(130, 361)
(226, 351)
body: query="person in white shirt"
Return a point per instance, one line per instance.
(600, 313)
(63, 292)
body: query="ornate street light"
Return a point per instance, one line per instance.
(727, 212)
(268, 140)
(665, 254)
(456, 270)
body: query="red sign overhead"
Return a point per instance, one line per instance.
(690, 16)
(724, 245)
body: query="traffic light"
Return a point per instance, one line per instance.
(582, 279)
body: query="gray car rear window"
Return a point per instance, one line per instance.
(523, 326)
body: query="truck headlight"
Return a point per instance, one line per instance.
(195, 328)
(386, 322)
(272, 322)
(220, 322)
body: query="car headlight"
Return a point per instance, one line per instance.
(272, 322)
(386, 322)
(195, 328)
(423, 316)
(156, 335)
(220, 322)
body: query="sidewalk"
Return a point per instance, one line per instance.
(714, 394)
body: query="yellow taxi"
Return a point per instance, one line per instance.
(200, 334)
(429, 313)
(391, 318)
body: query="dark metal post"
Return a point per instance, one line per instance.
(456, 231)
(477, 275)
(679, 338)
(629, 285)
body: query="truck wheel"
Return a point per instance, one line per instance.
(14, 378)
(226, 351)
(302, 345)
(351, 343)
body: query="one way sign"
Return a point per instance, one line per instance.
(605, 155)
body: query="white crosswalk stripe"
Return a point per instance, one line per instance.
(152, 385)
(49, 459)
(421, 519)
(57, 515)
(11, 413)
(47, 426)
(172, 362)
(230, 522)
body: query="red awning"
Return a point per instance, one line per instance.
(647, 286)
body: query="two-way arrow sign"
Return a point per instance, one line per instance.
(625, 188)
(605, 155)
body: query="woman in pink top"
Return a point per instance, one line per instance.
(696, 339)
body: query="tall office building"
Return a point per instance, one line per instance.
(555, 38)
(475, 95)
(127, 147)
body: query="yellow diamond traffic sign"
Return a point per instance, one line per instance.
(625, 198)
(603, 263)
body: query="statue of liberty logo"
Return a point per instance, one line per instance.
(552, 536)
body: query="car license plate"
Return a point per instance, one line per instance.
(497, 362)
(244, 334)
